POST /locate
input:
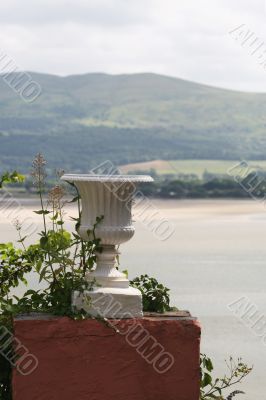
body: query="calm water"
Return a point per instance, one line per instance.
(216, 255)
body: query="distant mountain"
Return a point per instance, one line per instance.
(79, 121)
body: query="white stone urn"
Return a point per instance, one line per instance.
(110, 197)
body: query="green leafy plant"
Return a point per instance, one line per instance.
(155, 295)
(13, 177)
(9, 277)
(62, 260)
(211, 388)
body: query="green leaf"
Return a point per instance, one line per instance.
(42, 212)
(125, 272)
(38, 266)
(207, 380)
(43, 273)
(22, 239)
(44, 241)
(75, 199)
(54, 218)
(208, 364)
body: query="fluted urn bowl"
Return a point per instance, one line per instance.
(109, 197)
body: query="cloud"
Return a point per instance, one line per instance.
(187, 39)
(93, 12)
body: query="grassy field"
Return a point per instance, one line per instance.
(197, 167)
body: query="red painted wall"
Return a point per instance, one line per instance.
(149, 359)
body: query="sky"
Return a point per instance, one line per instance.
(188, 39)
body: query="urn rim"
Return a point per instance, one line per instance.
(106, 178)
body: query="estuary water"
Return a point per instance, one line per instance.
(215, 256)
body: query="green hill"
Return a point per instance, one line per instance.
(79, 121)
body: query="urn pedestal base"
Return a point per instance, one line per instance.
(110, 302)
